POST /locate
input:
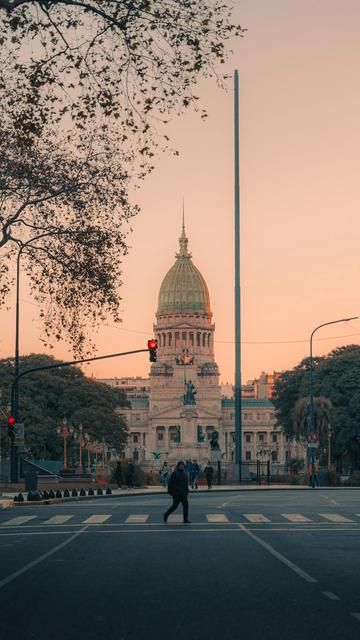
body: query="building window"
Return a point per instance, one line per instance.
(198, 336)
(247, 437)
(247, 456)
(159, 339)
(164, 339)
(204, 338)
(261, 437)
(184, 336)
(177, 336)
(175, 433)
(231, 416)
(135, 437)
(274, 456)
(274, 437)
(191, 336)
(250, 416)
(137, 417)
(258, 416)
(160, 436)
(169, 339)
(208, 339)
(232, 436)
(245, 416)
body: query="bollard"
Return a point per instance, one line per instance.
(91, 492)
(66, 493)
(45, 495)
(99, 491)
(51, 494)
(19, 498)
(58, 493)
(82, 492)
(15, 499)
(108, 491)
(74, 493)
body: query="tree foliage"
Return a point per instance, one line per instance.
(128, 63)
(46, 397)
(323, 415)
(336, 378)
(65, 213)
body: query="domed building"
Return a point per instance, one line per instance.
(180, 412)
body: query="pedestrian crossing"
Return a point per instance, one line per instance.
(156, 518)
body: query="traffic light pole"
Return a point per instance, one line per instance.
(14, 473)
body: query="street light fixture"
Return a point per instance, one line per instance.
(312, 423)
(65, 431)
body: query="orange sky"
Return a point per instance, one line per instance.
(300, 199)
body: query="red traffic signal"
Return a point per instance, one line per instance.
(152, 346)
(11, 426)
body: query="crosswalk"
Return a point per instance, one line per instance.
(156, 518)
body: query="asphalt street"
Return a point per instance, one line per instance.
(250, 565)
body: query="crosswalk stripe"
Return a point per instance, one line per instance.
(175, 518)
(216, 517)
(19, 520)
(137, 518)
(256, 517)
(58, 519)
(97, 519)
(335, 517)
(295, 517)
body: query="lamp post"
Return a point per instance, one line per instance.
(65, 431)
(329, 444)
(80, 439)
(312, 423)
(88, 447)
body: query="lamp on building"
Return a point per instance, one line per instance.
(65, 431)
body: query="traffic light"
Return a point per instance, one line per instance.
(152, 346)
(11, 426)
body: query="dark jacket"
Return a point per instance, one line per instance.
(178, 483)
(208, 471)
(195, 469)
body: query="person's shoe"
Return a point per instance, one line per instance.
(165, 517)
(187, 521)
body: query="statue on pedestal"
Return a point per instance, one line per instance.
(200, 434)
(189, 396)
(214, 441)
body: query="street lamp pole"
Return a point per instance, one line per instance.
(65, 432)
(312, 413)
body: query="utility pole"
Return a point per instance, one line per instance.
(238, 413)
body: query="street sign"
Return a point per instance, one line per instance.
(19, 434)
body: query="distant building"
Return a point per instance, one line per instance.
(181, 408)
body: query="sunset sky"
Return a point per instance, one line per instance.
(300, 199)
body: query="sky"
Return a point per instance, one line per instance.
(300, 200)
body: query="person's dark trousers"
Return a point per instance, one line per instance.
(208, 480)
(177, 498)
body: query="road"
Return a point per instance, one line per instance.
(251, 564)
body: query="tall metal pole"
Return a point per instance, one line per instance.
(238, 416)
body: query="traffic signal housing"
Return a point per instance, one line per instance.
(152, 346)
(11, 426)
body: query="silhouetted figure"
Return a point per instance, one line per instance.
(178, 488)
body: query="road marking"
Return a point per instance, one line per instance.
(335, 517)
(330, 500)
(97, 519)
(137, 518)
(216, 517)
(58, 519)
(330, 595)
(278, 555)
(356, 616)
(256, 517)
(295, 517)
(32, 564)
(175, 518)
(19, 520)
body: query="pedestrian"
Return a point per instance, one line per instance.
(313, 480)
(164, 475)
(130, 474)
(209, 472)
(178, 488)
(194, 472)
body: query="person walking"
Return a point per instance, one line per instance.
(178, 488)
(130, 474)
(209, 472)
(194, 472)
(164, 475)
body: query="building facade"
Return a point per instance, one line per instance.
(181, 412)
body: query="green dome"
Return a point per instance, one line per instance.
(183, 289)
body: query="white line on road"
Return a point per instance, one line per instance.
(216, 517)
(335, 517)
(278, 555)
(97, 519)
(137, 518)
(58, 519)
(330, 595)
(256, 517)
(330, 500)
(32, 564)
(295, 517)
(19, 520)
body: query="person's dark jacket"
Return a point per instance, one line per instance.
(195, 469)
(209, 471)
(178, 483)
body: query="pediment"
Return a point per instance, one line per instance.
(177, 409)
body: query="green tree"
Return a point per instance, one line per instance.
(336, 378)
(49, 396)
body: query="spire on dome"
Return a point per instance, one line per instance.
(183, 240)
